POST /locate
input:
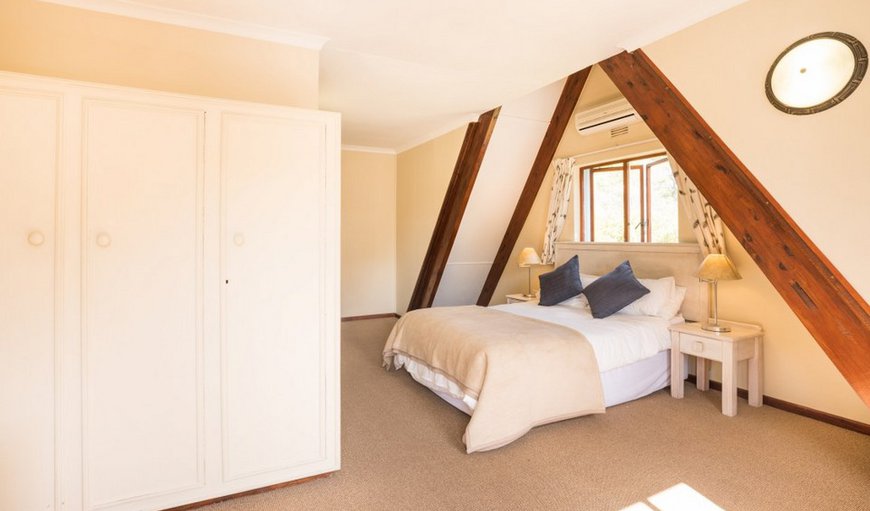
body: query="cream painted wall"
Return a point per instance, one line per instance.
(423, 174)
(815, 166)
(504, 170)
(599, 147)
(719, 65)
(515, 279)
(368, 233)
(53, 40)
(597, 91)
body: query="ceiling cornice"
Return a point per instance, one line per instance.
(368, 149)
(458, 122)
(197, 21)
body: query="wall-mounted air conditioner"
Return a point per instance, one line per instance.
(605, 117)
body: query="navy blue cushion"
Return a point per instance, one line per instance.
(561, 283)
(614, 291)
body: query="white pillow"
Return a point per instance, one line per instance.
(585, 279)
(652, 303)
(672, 307)
(577, 302)
(668, 308)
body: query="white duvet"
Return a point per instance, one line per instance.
(617, 340)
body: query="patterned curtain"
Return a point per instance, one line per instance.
(705, 221)
(558, 212)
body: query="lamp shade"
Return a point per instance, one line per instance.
(529, 257)
(718, 267)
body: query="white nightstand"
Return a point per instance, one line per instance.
(743, 342)
(519, 298)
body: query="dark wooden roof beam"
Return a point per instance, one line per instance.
(465, 171)
(828, 306)
(558, 122)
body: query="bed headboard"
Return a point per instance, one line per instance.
(648, 260)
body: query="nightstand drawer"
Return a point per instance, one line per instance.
(708, 348)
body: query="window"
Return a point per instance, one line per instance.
(628, 200)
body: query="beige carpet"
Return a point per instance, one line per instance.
(402, 449)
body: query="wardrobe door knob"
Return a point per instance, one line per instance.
(239, 239)
(103, 240)
(36, 238)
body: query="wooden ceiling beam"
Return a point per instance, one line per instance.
(558, 122)
(828, 306)
(465, 171)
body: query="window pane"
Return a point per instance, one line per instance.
(635, 227)
(608, 213)
(663, 204)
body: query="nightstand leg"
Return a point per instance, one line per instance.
(702, 372)
(756, 378)
(729, 381)
(677, 376)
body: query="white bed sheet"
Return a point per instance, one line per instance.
(627, 383)
(618, 340)
(619, 385)
(632, 352)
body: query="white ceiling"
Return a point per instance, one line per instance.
(403, 71)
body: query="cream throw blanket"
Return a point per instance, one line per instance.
(522, 371)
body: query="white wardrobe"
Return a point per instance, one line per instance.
(168, 296)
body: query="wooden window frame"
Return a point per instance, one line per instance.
(644, 199)
(648, 194)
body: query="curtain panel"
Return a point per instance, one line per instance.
(560, 193)
(705, 221)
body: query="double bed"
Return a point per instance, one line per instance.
(512, 367)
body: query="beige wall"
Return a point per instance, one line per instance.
(815, 166)
(423, 174)
(515, 279)
(601, 147)
(720, 66)
(53, 40)
(368, 233)
(597, 91)
(595, 148)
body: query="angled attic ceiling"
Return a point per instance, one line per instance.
(830, 308)
(402, 72)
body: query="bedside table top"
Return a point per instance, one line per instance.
(738, 330)
(520, 297)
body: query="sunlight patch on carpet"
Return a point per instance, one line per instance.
(680, 497)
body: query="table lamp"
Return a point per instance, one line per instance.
(529, 258)
(717, 267)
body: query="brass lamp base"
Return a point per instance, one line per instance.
(715, 328)
(527, 295)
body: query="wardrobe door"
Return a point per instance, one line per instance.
(275, 338)
(142, 387)
(28, 345)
